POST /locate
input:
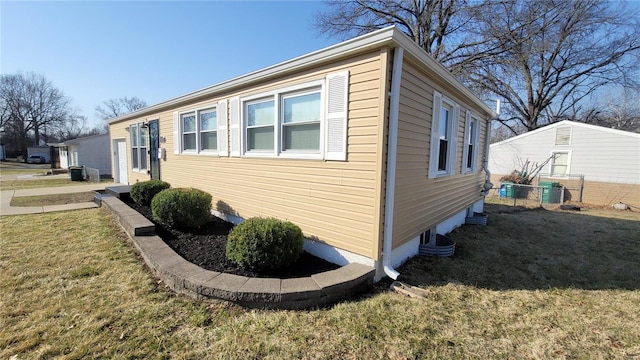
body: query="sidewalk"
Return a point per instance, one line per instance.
(7, 195)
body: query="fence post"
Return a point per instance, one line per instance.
(540, 193)
(581, 187)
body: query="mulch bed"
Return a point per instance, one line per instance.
(206, 247)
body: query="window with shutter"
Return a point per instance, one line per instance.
(290, 122)
(196, 131)
(139, 140)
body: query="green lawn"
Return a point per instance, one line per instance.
(533, 284)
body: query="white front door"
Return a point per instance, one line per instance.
(121, 158)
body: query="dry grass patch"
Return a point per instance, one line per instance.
(77, 290)
(55, 199)
(35, 183)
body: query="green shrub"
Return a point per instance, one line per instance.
(143, 192)
(264, 244)
(182, 208)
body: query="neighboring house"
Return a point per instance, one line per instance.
(89, 151)
(43, 151)
(366, 145)
(608, 159)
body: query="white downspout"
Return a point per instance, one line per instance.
(485, 163)
(392, 152)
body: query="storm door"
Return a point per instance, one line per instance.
(154, 146)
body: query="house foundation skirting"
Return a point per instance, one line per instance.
(411, 248)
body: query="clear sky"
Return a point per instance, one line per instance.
(94, 51)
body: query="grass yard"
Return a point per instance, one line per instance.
(8, 169)
(533, 284)
(55, 199)
(35, 183)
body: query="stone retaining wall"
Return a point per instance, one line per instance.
(274, 293)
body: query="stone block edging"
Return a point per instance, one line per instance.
(271, 293)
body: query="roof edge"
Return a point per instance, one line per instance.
(373, 39)
(569, 122)
(386, 36)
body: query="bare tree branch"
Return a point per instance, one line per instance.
(120, 106)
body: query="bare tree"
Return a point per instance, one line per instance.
(619, 111)
(542, 57)
(556, 53)
(32, 106)
(120, 106)
(75, 127)
(443, 28)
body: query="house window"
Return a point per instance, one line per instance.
(285, 123)
(301, 121)
(560, 164)
(198, 131)
(470, 150)
(444, 134)
(208, 130)
(445, 137)
(139, 140)
(189, 132)
(260, 129)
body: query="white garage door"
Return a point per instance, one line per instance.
(122, 163)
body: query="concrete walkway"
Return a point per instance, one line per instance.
(7, 195)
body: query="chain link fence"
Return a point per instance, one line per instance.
(573, 185)
(529, 195)
(544, 189)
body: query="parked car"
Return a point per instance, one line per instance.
(35, 159)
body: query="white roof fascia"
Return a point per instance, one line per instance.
(602, 128)
(389, 35)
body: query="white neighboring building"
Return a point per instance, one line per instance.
(43, 151)
(90, 151)
(608, 159)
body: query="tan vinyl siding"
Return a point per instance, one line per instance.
(420, 202)
(332, 201)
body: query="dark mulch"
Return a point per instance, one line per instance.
(206, 247)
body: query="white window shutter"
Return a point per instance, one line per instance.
(223, 137)
(176, 133)
(465, 147)
(336, 116)
(234, 125)
(454, 140)
(476, 145)
(435, 134)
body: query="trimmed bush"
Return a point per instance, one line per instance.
(264, 244)
(143, 192)
(182, 207)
